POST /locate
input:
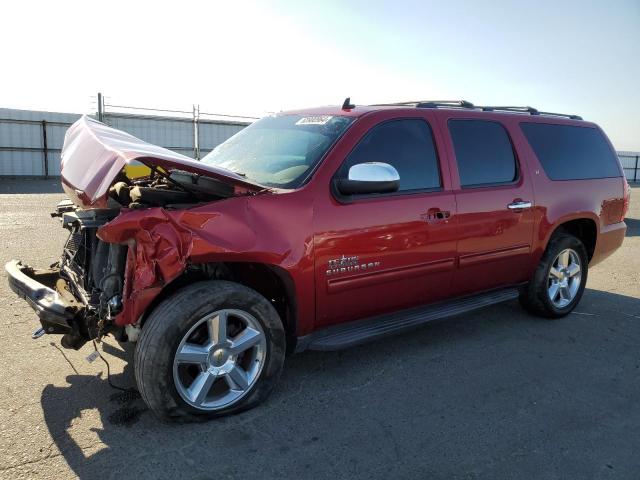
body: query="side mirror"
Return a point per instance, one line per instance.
(370, 177)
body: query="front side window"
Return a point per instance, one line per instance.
(279, 151)
(567, 152)
(484, 153)
(405, 144)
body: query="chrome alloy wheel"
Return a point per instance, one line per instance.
(565, 277)
(219, 359)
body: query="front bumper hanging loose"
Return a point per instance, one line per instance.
(37, 287)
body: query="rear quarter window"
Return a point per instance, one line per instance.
(567, 152)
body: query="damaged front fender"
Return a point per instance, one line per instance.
(158, 251)
(162, 242)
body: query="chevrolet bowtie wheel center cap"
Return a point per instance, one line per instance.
(219, 357)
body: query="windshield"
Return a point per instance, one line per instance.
(279, 151)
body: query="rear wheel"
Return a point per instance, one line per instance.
(560, 279)
(212, 349)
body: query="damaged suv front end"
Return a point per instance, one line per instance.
(123, 243)
(83, 289)
(208, 265)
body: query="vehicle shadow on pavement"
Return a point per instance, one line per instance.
(633, 227)
(495, 394)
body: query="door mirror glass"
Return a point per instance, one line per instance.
(369, 177)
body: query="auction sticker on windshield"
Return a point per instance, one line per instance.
(314, 120)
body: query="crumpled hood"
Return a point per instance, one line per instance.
(94, 153)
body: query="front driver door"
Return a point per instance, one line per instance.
(384, 252)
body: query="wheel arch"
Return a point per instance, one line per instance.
(271, 281)
(584, 227)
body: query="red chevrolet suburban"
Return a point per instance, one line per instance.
(319, 229)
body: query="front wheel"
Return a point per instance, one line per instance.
(560, 279)
(212, 349)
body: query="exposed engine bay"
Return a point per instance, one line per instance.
(173, 190)
(92, 270)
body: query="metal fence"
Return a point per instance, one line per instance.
(188, 137)
(31, 141)
(190, 132)
(631, 165)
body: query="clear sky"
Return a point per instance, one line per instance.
(250, 58)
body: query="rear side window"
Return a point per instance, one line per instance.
(571, 153)
(483, 152)
(405, 144)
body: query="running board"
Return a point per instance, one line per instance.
(361, 331)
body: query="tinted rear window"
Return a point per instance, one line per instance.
(483, 152)
(571, 153)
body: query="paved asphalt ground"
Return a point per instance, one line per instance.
(496, 394)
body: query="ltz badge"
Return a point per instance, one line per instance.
(346, 264)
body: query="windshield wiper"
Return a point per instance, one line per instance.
(242, 174)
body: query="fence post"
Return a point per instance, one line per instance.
(635, 170)
(100, 108)
(45, 149)
(196, 132)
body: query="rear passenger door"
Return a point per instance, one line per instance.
(494, 198)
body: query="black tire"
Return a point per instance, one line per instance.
(169, 323)
(534, 297)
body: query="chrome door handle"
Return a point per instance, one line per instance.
(519, 205)
(436, 215)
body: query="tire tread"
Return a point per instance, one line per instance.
(159, 333)
(534, 297)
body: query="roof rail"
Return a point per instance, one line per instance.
(471, 106)
(567, 115)
(428, 104)
(445, 103)
(529, 110)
